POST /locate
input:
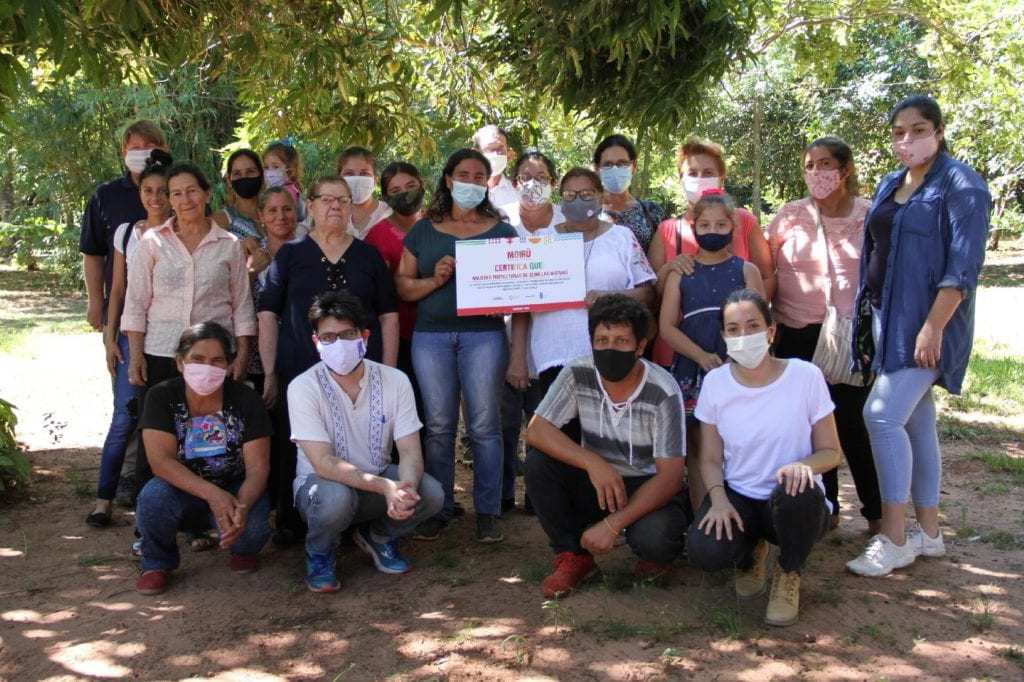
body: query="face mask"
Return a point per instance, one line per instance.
(275, 177)
(916, 152)
(714, 241)
(405, 203)
(748, 350)
(342, 357)
(203, 379)
(497, 161)
(694, 187)
(467, 195)
(534, 193)
(580, 210)
(616, 180)
(247, 188)
(822, 183)
(612, 364)
(135, 159)
(361, 187)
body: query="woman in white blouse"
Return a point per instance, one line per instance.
(613, 263)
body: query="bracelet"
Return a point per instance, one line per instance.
(717, 485)
(616, 532)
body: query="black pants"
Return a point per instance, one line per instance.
(793, 522)
(566, 504)
(853, 434)
(158, 370)
(282, 467)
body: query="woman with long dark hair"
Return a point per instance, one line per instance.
(457, 356)
(924, 246)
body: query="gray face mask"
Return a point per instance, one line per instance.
(580, 210)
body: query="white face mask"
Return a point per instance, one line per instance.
(361, 187)
(748, 350)
(497, 161)
(342, 357)
(135, 159)
(534, 193)
(694, 187)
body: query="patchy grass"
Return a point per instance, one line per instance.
(983, 620)
(35, 305)
(90, 559)
(534, 572)
(1001, 463)
(726, 619)
(994, 384)
(1002, 540)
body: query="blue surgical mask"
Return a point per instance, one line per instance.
(616, 180)
(466, 195)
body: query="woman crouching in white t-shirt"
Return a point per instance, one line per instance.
(767, 435)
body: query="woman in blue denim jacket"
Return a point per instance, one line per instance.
(924, 245)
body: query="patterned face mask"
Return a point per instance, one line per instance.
(534, 193)
(822, 182)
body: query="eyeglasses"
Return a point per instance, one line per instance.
(585, 194)
(327, 338)
(617, 164)
(542, 179)
(330, 199)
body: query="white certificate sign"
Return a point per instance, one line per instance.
(515, 275)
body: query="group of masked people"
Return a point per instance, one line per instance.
(300, 350)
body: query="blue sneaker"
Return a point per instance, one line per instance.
(384, 554)
(320, 573)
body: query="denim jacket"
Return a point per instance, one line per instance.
(938, 241)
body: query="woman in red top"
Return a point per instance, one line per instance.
(702, 167)
(402, 188)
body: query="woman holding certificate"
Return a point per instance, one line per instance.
(613, 263)
(457, 356)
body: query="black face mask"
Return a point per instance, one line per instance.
(247, 188)
(405, 203)
(614, 365)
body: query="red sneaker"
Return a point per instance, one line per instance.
(244, 563)
(648, 570)
(152, 582)
(570, 570)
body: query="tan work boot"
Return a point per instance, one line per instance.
(750, 583)
(784, 602)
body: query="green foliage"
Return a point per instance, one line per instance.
(14, 466)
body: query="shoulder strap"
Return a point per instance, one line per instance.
(129, 229)
(830, 293)
(679, 235)
(647, 215)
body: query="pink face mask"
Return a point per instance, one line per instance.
(203, 379)
(916, 152)
(822, 182)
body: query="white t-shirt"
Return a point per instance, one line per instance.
(503, 194)
(764, 428)
(133, 242)
(360, 433)
(613, 261)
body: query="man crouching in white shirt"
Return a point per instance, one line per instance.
(346, 412)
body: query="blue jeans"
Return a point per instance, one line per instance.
(511, 425)
(329, 508)
(122, 426)
(473, 365)
(163, 510)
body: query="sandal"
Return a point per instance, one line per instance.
(201, 542)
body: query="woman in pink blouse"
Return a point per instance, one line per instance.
(185, 271)
(815, 243)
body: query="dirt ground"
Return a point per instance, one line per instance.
(68, 609)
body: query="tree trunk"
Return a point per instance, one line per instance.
(755, 171)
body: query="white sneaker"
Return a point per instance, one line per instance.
(882, 557)
(924, 545)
